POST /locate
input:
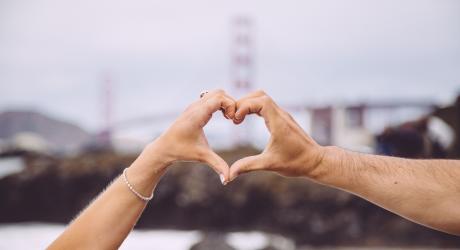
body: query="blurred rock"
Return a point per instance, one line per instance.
(191, 197)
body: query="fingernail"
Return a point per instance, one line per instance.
(222, 179)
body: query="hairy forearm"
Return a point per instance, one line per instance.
(424, 191)
(106, 222)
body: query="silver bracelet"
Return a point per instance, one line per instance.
(144, 198)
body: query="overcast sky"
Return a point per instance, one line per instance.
(54, 54)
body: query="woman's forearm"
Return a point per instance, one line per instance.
(107, 221)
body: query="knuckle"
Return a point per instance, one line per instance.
(220, 91)
(228, 106)
(266, 99)
(239, 104)
(260, 92)
(244, 105)
(215, 94)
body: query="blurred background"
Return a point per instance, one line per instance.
(84, 85)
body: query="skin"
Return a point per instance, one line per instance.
(424, 191)
(108, 220)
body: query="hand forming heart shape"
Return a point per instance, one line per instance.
(290, 151)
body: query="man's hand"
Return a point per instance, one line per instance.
(424, 191)
(290, 151)
(185, 139)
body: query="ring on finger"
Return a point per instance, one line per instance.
(203, 93)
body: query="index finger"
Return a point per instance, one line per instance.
(219, 100)
(255, 103)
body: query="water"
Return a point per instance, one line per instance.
(40, 235)
(11, 165)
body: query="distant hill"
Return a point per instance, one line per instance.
(60, 135)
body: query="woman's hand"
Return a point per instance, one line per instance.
(185, 139)
(106, 222)
(289, 152)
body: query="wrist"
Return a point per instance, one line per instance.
(153, 159)
(328, 168)
(146, 171)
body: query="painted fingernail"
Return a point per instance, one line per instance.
(222, 179)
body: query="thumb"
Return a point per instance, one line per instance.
(248, 164)
(218, 164)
